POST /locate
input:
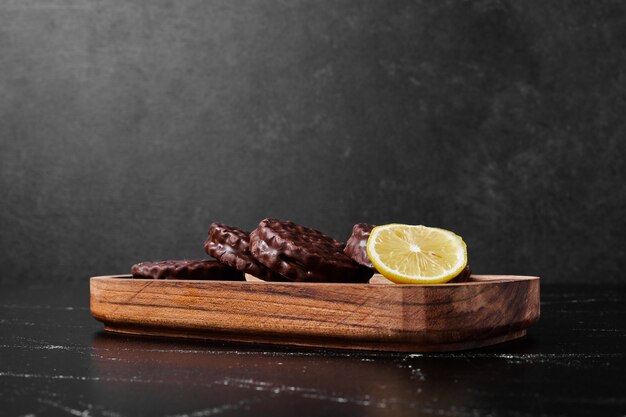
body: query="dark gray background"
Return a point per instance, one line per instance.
(127, 127)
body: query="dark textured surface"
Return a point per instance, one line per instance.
(127, 127)
(231, 246)
(185, 269)
(54, 360)
(302, 254)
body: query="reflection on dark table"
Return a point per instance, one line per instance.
(55, 359)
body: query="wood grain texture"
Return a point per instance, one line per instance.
(377, 316)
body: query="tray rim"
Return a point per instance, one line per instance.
(484, 279)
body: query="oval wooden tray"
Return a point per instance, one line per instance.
(487, 310)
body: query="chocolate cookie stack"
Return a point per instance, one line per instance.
(277, 250)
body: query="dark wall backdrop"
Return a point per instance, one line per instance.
(127, 127)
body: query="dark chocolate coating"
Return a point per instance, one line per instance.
(230, 245)
(464, 276)
(200, 270)
(303, 254)
(355, 247)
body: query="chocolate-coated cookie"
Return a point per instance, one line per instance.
(200, 270)
(464, 276)
(303, 254)
(230, 245)
(355, 247)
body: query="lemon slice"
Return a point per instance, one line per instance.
(416, 254)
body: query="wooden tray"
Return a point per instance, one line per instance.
(487, 310)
